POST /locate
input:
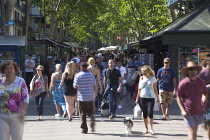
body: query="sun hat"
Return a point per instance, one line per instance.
(190, 64)
(40, 67)
(166, 60)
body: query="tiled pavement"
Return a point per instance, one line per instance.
(54, 128)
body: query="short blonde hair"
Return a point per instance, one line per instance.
(58, 67)
(148, 69)
(91, 61)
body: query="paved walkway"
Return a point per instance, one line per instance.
(57, 128)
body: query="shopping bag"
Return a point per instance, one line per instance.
(137, 111)
(156, 106)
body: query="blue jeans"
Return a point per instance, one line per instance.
(111, 91)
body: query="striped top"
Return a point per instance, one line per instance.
(85, 81)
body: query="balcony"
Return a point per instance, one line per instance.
(17, 21)
(21, 8)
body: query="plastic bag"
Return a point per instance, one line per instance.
(137, 111)
(156, 106)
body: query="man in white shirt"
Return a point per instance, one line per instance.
(29, 69)
(123, 73)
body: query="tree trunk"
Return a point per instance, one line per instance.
(3, 18)
(9, 14)
(27, 18)
(137, 24)
(172, 13)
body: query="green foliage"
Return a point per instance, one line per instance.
(104, 20)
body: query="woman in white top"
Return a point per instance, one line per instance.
(147, 93)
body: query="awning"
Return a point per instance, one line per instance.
(186, 29)
(186, 37)
(13, 41)
(57, 43)
(76, 45)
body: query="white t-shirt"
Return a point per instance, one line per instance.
(146, 86)
(122, 72)
(31, 64)
(76, 58)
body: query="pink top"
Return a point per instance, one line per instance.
(191, 93)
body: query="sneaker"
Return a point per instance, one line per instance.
(57, 115)
(40, 118)
(120, 107)
(111, 117)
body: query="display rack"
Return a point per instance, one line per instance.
(186, 54)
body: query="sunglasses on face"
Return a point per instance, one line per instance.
(166, 62)
(145, 73)
(192, 69)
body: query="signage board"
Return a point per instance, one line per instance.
(170, 2)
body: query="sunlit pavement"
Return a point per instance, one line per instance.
(58, 128)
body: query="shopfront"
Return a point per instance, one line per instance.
(13, 48)
(185, 39)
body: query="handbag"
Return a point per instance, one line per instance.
(136, 111)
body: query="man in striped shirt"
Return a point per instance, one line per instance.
(85, 83)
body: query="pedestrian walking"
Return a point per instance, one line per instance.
(136, 76)
(205, 75)
(70, 91)
(58, 93)
(123, 73)
(29, 69)
(147, 94)
(112, 86)
(166, 78)
(191, 98)
(14, 101)
(96, 73)
(85, 83)
(39, 88)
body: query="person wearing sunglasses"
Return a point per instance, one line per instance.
(205, 75)
(192, 98)
(166, 78)
(147, 94)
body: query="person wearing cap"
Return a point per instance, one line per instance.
(137, 63)
(75, 58)
(166, 78)
(39, 88)
(205, 75)
(191, 98)
(85, 83)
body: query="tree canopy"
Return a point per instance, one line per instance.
(97, 22)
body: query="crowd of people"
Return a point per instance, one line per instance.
(78, 86)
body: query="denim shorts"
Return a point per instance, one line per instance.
(193, 120)
(123, 90)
